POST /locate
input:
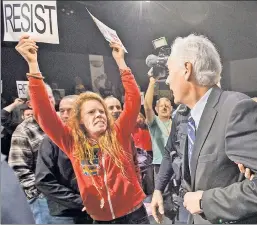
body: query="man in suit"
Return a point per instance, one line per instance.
(221, 132)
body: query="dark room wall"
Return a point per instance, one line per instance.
(243, 75)
(62, 68)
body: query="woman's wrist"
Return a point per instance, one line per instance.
(33, 67)
(121, 64)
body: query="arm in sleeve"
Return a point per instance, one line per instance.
(46, 115)
(46, 180)
(238, 200)
(21, 160)
(166, 170)
(128, 117)
(137, 168)
(148, 101)
(5, 117)
(7, 122)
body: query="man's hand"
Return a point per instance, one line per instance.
(151, 76)
(192, 202)
(18, 102)
(247, 172)
(157, 206)
(152, 80)
(28, 49)
(12, 106)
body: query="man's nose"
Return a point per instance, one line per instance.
(115, 109)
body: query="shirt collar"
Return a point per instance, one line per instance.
(197, 110)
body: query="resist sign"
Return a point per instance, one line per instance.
(36, 18)
(22, 87)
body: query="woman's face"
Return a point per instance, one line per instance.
(94, 118)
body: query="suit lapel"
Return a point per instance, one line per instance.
(203, 130)
(201, 135)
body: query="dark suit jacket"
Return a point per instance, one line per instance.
(226, 135)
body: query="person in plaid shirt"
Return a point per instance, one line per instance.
(25, 142)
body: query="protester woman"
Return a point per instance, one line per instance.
(99, 149)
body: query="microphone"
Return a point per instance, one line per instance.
(153, 60)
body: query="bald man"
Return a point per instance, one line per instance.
(114, 107)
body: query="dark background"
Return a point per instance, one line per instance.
(230, 25)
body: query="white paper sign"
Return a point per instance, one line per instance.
(36, 18)
(142, 97)
(108, 33)
(22, 87)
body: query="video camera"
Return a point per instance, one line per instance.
(158, 64)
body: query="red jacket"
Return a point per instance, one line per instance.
(121, 194)
(142, 139)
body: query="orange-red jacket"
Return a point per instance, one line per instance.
(120, 194)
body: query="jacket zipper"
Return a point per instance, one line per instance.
(107, 189)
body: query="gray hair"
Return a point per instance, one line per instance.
(48, 88)
(201, 52)
(71, 97)
(110, 97)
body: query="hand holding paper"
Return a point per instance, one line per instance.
(117, 51)
(118, 54)
(27, 48)
(109, 34)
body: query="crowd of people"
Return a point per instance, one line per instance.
(96, 160)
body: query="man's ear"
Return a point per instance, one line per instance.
(188, 71)
(156, 109)
(28, 104)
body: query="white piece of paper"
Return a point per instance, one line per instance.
(36, 18)
(22, 87)
(108, 33)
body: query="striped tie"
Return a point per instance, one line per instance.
(191, 137)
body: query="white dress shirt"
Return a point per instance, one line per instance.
(197, 110)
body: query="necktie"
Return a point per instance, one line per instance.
(191, 137)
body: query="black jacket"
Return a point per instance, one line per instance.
(9, 121)
(172, 158)
(55, 178)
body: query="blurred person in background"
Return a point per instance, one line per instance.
(11, 116)
(25, 142)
